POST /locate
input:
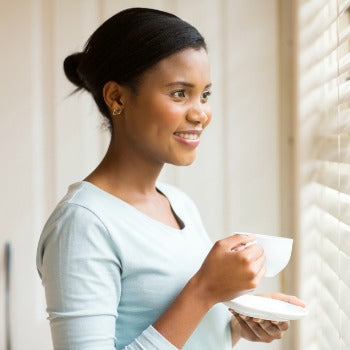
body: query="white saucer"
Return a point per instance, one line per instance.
(266, 308)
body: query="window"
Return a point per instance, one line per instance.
(323, 168)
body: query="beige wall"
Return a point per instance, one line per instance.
(49, 141)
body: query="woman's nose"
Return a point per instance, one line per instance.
(197, 114)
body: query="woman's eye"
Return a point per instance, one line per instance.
(178, 94)
(206, 94)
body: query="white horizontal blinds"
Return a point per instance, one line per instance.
(324, 166)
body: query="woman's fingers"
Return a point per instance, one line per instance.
(263, 333)
(284, 297)
(256, 329)
(283, 326)
(253, 252)
(246, 331)
(273, 329)
(238, 240)
(226, 272)
(262, 268)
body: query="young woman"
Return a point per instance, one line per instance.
(124, 259)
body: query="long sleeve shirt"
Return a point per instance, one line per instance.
(109, 271)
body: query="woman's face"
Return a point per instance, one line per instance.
(163, 122)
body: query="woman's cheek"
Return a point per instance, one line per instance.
(172, 114)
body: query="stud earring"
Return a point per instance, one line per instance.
(117, 111)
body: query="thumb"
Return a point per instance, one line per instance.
(284, 297)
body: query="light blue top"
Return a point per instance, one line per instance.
(109, 271)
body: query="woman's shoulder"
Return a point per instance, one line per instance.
(75, 203)
(75, 212)
(83, 196)
(74, 224)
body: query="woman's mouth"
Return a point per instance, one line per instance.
(188, 138)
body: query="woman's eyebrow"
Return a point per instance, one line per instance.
(184, 83)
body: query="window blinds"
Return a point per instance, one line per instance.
(323, 171)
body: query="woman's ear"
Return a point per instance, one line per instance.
(113, 95)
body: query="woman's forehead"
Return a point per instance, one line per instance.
(189, 65)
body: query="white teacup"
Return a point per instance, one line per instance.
(277, 251)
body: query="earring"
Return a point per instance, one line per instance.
(117, 111)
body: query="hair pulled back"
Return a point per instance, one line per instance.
(125, 46)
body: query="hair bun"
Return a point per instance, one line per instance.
(70, 66)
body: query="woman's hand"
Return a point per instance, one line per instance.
(229, 270)
(258, 330)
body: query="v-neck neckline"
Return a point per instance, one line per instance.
(138, 212)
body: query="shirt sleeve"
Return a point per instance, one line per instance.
(150, 339)
(81, 274)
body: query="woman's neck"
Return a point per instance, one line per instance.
(125, 173)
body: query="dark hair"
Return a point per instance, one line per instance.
(125, 46)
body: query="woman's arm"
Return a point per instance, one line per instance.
(182, 317)
(224, 274)
(81, 276)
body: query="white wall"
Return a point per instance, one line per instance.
(49, 141)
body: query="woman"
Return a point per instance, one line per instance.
(124, 259)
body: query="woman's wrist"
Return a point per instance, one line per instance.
(179, 321)
(199, 290)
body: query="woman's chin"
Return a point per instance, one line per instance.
(183, 161)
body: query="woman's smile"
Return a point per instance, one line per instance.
(188, 137)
